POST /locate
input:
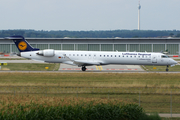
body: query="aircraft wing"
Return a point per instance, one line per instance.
(81, 62)
(85, 62)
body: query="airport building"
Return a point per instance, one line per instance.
(99, 44)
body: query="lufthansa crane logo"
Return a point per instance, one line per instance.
(22, 45)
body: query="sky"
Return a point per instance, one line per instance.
(77, 15)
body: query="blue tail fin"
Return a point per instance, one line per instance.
(22, 44)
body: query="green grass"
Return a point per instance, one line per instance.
(177, 59)
(13, 59)
(154, 88)
(30, 66)
(92, 79)
(150, 103)
(71, 109)
(161, 68)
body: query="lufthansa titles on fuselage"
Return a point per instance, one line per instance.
(136, 54)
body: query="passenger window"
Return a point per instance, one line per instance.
(77, 54)
(134, 56)
(100, 55)
(73, 54)
(126, 56)
(123, 55)
(119, 55)
(81, 54)
(104, 55)
(138, 56)
(131, 56)
(115, 56)
(69, 54)
(85, 55)
(89, 55)
(107, 55)
(111, 55)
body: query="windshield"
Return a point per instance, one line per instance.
(164, 56)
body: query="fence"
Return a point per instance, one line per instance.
(152, 99)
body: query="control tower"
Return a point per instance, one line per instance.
(139, 7)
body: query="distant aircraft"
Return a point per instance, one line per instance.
(89, 58)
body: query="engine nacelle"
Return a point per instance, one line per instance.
(47, 53)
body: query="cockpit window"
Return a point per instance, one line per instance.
(164, 56)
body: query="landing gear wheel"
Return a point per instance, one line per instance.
(167, 68)
(83, 68)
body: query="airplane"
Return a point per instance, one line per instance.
(89, 58)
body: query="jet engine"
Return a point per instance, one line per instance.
(46, 53)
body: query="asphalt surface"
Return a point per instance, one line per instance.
(95, 69)
(105, 68)
(70, 68)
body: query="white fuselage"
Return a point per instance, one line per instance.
(103, 58)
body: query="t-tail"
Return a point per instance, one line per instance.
(22, 44)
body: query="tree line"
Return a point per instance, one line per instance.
(91, 34)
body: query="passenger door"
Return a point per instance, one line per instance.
(154, 59)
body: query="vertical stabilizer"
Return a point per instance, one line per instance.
(22, 44)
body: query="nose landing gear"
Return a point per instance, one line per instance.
(83, 68)
(167, 68)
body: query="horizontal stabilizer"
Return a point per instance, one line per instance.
(14, 38)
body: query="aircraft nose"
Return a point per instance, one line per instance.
(174, 62)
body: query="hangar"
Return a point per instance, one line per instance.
(99, 44)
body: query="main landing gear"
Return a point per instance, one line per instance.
(167, 68)
(83, 68)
